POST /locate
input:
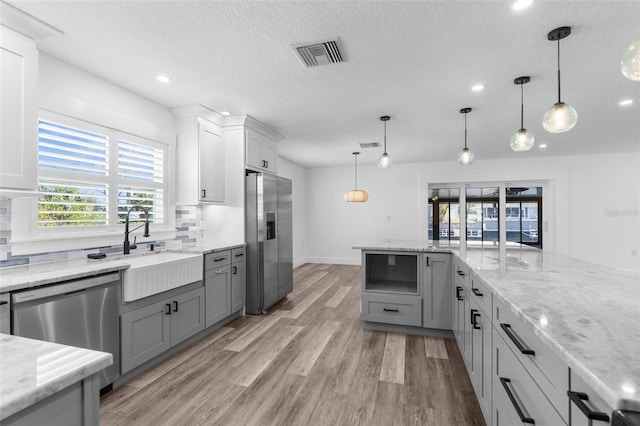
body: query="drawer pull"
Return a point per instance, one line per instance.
(476, 292)
(458, 291)
(474, 322)
(390, 310)
(460, 273)
(218, 259)
(578, 398)
(239, 254)
(523, 349)
(514, 402)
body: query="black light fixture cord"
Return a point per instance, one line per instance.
(385, 137)
(559, 101)
(521, 106)
(465, 130)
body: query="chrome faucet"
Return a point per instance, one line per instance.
(127, 246)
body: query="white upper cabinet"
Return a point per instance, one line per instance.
(259, 141)
(19, 97)
(200, 156)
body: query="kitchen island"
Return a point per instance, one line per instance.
(585, 314)
(48, 383)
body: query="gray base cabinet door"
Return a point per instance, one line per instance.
(437, 282)
(237, 286)
(145, 333)
(218, 294)
(187, 315)
(480, 362)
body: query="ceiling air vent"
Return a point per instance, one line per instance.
(324, 52)
(365, 145)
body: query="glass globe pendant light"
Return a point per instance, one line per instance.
(630, 64)
(561, 117)
(466, 157)
(522, 140)
(356, 195)
(384, 162)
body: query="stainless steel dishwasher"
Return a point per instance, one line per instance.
(81, 313)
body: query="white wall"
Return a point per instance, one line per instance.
(591, 205)
(298, 175)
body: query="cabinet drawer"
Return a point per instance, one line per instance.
(237, 255)
(546, 368)
(481, 294)
(515, 390)
(217, 259)
(392, 309)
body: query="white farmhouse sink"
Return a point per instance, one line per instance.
(155, 273)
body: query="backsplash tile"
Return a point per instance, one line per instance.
(188, 233)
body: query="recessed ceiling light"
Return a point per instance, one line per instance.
(626, 102)
(478, 88)
(163, 78)
(225, 113)
(521, 4)
(542, 146)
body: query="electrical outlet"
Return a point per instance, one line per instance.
(392, 260)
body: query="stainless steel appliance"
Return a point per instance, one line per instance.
(81, 313)
(269, 241)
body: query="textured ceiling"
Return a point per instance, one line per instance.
(415, 61)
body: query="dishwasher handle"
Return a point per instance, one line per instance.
(63, 288)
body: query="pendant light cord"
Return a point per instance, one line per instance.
(355, 159)
(465, 130)
(385, 137)
(559, 101)
(521, 107)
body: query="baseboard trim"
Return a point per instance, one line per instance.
(407, 329)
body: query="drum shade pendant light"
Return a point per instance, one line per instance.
(466, 157)
(384, 162)
(522, 140)
(630, 64)
(356, 195)
(561, 117)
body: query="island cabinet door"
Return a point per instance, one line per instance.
(480, 356)
(586, 407)
(187, 315)
(437, 289)
(145, 333)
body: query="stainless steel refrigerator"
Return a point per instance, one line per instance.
(269, 227)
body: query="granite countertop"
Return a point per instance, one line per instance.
(586, 313)
(32, 370)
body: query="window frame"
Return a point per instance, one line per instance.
(112, 179)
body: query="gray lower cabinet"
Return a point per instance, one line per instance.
(237, 286)
(217, 284)
(437, 311)
(151, 330)
(480, 355)
(224, 281)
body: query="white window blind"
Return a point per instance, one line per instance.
(92, 177)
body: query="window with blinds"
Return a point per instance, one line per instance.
(91, 177)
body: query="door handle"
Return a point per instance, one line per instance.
(578, 398)
(204, 193)
(474, 322)
(234, 270)
(473, 315)
(521, 347)
(168, 309)
(458, 291)
(514, 402)
(175, 306)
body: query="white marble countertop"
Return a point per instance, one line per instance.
(210, 247)
(20, 277)
(588, 314)
(32, 370)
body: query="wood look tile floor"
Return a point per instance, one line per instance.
(307, 362)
